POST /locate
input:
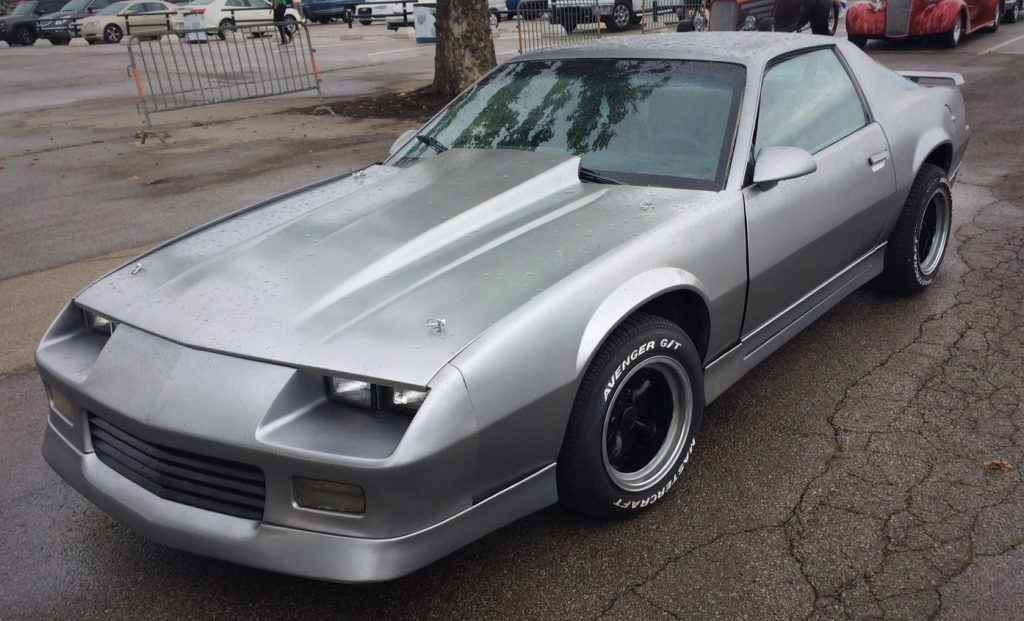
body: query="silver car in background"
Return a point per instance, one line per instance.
(531, 301)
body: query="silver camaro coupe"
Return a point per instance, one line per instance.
(531, 301)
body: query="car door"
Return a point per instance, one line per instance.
(134, 18)
(263, 11)
(805, 231)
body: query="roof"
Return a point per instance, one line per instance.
(748, 48)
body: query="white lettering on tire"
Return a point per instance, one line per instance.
(669, 344)
(656, 496)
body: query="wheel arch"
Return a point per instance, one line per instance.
(670, 293)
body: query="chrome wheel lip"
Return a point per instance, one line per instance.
(958, 27)
(672, 447)
(833, 19)
(939, 200)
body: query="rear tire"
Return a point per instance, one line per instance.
(824, 18)
(621, 17)
(998, 19)
(225, 26)
(634, 421)
(859, 40)
(1013, 14)
(25, 35)
(918, 243)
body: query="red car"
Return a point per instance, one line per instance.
(947, 20)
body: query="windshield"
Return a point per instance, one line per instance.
(24, 8)
(113, 9)
(642, 122)
(76, 5)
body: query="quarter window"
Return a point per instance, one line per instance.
(808, 101)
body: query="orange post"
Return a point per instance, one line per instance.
(138, 82)
(312, 60)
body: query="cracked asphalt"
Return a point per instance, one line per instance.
(843, 478)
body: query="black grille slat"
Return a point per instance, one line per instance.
(171, 482)
(189, 478)
(181, 457)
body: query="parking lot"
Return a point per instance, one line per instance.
(843, 478)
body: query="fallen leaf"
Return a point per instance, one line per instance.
(133, 178)
(997, 465)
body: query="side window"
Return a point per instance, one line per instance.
(808, 101)
(99, 4)
(235, 4)
(135, 9)
(155, 7)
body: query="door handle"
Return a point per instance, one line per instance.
(878, 158)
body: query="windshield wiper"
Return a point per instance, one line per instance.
(432, 142)
(589, 174)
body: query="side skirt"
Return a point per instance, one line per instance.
(728, 368)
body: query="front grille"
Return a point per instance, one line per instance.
(191, 479)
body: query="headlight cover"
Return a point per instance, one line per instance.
(374, 396)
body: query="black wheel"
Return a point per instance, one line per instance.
(824, 18)
(859, 40)
(290, 24)
(1013, 14)
(621, 17)
(112, 33)
(634, 422)
(495, 19)
(998, 19)
(952, 38)
(224, 27)
(25, 35)
(366, 22)
(918, 243)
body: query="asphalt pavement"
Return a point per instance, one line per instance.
(844, 478)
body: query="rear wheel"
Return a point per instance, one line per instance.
(621, 17)
(291, 25)
(1013, 14)
(112, 33)
(25, 35)
(634, 422)
(918, 243)
(998, 19)
(824, 18)
(225, 26)
(859, 40)
(952, 38)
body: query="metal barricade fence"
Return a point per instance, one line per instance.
(185, 68)
(666, 15)
(548, 23)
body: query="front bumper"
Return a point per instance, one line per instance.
(287, 550)
(424, 494)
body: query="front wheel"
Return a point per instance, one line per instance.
(634, 421)
(858, 40)
(952, 38)
(112, 33)
(291, 25)
(998, 19)
(25, 35)
(918, 243)
(223, 27)
(824, 18)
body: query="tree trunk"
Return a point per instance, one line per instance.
(464, 50)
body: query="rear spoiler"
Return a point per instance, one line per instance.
(917, 76)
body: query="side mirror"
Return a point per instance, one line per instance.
(404, 138)
(775, 164)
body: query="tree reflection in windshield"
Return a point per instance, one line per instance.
(664, 122)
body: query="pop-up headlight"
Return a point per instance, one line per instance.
(98, 323)
(373, 396)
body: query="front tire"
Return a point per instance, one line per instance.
(859, 40)
(112, 33)
(824, 18)
(25, 35)
(952, 38)
(998, 19)
(224, 27)
(634, 421)
(918, 243)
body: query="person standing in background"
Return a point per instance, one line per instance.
(279, 8)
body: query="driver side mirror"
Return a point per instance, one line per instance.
(404, 138)
(775, 164)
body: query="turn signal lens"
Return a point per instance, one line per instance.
(60, 404)
(408, 399)
(328, 496)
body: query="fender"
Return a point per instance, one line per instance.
(938, 17)
(931, 140)
(865, 19)
(624, 300)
